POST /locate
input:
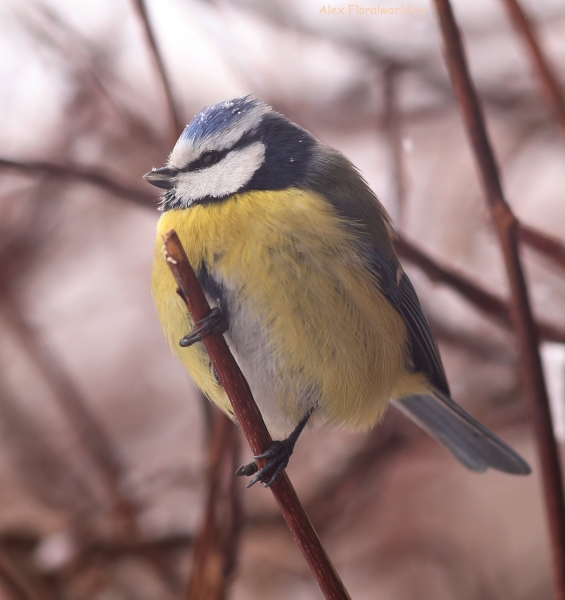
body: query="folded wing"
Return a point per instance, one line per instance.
(469, 441)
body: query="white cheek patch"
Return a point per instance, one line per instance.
(185, 151)
(222, 179)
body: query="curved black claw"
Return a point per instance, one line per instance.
(247, 470)
(278, 455)
(215, 322)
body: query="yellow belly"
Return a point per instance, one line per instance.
(307, 322)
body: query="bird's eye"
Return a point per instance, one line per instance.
(208, 158)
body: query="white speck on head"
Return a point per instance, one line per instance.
(222, 179)
(185, 152)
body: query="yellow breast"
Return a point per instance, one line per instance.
(307, 321)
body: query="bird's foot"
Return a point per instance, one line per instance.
(215, 322)
(277, 459)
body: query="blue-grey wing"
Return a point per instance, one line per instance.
(425, 352)
(400, 292)
(469, 441)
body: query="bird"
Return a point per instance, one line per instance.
(295, 254)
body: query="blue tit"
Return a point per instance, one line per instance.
(294, 249)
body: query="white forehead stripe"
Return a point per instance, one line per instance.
(185, 151)
(222, 179)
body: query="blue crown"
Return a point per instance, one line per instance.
(213, 119)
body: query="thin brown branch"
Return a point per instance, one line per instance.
(251, 422)
(543, 243)
(213, 559)
(175, 120)
(488, 303)
(90, 432)
(75, 173)
(522, 319)
(526, 29)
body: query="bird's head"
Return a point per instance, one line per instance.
(235, 146)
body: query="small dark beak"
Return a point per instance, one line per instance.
(161, 178)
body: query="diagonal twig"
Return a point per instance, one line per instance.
(543, 243)
(506, 225)
(251, 422)
(175, 120)
(553, 89)
(488, 303)
(76, 173)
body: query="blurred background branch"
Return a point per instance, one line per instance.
(76, 173)
(525, 329)
(544, 71)
(215, 551)
(176, 122)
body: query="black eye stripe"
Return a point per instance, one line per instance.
(206, 159)
(245, 140)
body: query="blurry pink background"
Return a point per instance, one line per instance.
(399, 516)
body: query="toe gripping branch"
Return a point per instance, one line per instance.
(277, 455)
(215, 322)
